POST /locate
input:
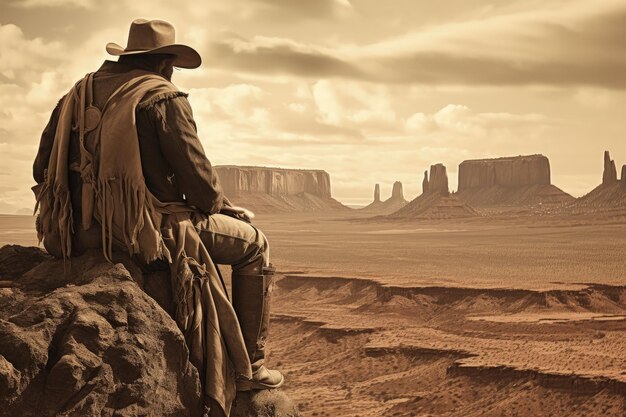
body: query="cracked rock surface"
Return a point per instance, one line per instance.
(87, 341)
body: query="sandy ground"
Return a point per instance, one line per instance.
(508, 317)
(518, 253)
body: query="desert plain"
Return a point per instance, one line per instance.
(512, 315)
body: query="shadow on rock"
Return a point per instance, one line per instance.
(270, 403)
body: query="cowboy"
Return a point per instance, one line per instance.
(120, 165)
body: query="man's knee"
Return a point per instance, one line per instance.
(263, 248)
(258, 257)
(264, 245)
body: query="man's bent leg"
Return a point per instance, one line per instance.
(233, 242)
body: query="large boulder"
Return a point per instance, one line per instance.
(82, 338)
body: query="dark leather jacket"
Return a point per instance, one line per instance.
(173, 160)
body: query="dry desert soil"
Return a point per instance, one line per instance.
(501, 317)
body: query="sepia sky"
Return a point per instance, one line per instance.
(370, 91)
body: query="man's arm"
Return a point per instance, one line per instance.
(182, 149)
(45, 146)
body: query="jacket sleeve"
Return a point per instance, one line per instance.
(181, 147)
(45, 145)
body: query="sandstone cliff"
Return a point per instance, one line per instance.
(515, 171)
(84, 339)
(509, 181)
(264, 190)
(435, 202)
(390, 205)
(438, 181)
(397, 192)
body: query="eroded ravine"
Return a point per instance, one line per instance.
(354, 347)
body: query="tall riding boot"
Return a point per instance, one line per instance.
(251, 300)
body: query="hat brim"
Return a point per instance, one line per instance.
(185, 56)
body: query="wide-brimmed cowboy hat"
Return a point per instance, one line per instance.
(156, 37)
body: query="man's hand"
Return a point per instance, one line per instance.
(238, 213)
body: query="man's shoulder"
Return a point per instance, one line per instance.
(158, 96)
(126, 81)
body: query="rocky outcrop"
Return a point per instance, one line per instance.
(609, 174)
(435, 202)
(435, 206)
(425, 183)
(396, 192)
(390, 205)
(609, 195)
(273, 181)
(438, 182)
(263, 189)
(82, 338)
(517, 171)
(509, 181)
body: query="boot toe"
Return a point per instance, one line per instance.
(263, 378)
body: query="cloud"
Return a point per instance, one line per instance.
(22, 59)
(353, 104)
(318, 9)
(593, 97)
(279, 56)
(462, 120)
(369, 92)
(572, 45)
(87, 4)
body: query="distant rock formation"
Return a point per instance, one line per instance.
(267, 190)
(517, 171)
(435, 202)
(509, 181)
(425, 183)
(396, 191)
(86, 340)
(390, 205)
(273, 181)
(438, 182)
(610, 194)
(609, 175)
